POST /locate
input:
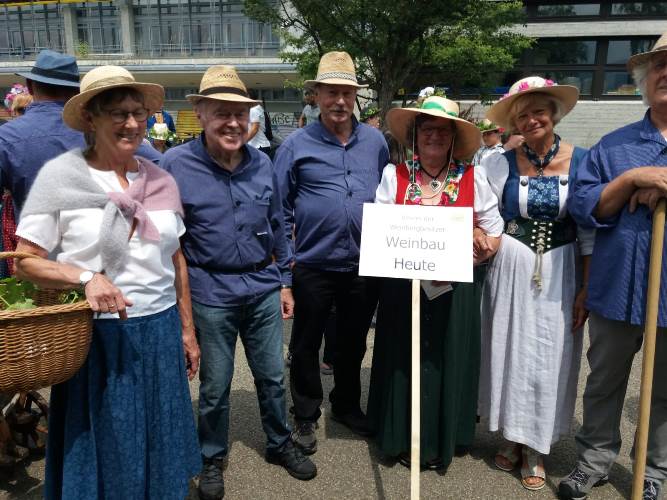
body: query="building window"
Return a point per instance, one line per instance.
(27, 29)
(202, 28)
(98, 28)
(568, 10)
(639, 8)
(564, 52)
(619, 51)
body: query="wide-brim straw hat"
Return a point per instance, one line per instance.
(468, 137)
(221, 83)
(487, 125)
(104, 78)
(567, 95)
(643, 57)
(335, 68)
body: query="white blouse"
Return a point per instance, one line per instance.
(487, 216)
(72, 237)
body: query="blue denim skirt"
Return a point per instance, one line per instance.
(123, 426)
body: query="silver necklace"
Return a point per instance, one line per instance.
(435, 184)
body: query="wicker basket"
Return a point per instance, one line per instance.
(43, 346)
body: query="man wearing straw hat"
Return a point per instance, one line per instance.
(615, 190)
(238, 264)
(491, 141)
(327, 171)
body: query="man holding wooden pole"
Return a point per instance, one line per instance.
(615, 191)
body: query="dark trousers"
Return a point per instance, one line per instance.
(355, 298)
(329, 338)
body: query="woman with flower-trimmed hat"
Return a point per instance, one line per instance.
(532, 305)
(437, 175)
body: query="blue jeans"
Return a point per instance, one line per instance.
(261, 330)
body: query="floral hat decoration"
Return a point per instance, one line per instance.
(161, 132)
(567, 95)
(369, 112)
(16, 89)
(487, 125)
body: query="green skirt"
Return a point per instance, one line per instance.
(450, 351)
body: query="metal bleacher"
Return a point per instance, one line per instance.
(187, 125)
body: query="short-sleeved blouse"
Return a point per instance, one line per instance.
(72, 237)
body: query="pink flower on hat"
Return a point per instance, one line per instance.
(523, 86)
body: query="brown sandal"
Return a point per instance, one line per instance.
(508, 456)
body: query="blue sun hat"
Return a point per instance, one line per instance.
(54, 68)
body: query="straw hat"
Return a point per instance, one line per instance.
(104, 78)
(468, 137)
(487, 125)
(336, 68)
(637, 59)
(567, 95)
(221, 83)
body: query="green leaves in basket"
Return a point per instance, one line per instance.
(71, 296)
(15, 294)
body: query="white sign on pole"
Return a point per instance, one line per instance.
(417, 242)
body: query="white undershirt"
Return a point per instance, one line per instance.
(73, 236)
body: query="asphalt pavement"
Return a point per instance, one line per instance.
(351, 467)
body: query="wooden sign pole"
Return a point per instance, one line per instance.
(415, 418)
(650, 325)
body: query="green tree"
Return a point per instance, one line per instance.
(393, 41)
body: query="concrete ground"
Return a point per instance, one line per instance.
(351, 468)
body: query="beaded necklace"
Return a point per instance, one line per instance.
(533, 157)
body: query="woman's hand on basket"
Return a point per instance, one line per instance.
(104, 297)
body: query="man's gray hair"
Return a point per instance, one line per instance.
(639, 74)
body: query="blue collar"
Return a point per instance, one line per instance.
(201, 151)
(649, 132)
(327, 136)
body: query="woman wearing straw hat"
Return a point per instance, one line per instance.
(123, 426)
(449, 321)
(532, 305)
(491, 143)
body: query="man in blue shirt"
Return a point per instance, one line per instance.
(27, 142)
(327, 171)
(238, 264)
(615, 190)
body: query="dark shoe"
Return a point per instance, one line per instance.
(326, 368)
(651, 490)
(356, 422)
(435, 464)
(303, 436)
(211, 484)
(578, 483)
(294, 461)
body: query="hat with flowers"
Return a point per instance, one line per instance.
(16, 89)
(567, 95)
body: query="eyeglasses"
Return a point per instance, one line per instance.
(429, 131)
(119, 116)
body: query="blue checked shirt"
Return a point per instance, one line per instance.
(620, 260)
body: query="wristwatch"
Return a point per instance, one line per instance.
(85, 277)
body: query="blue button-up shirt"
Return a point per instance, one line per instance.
(233, 221)
(27, 142)
(325, 185)
(619, 265)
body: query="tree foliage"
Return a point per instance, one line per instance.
(393, 41)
